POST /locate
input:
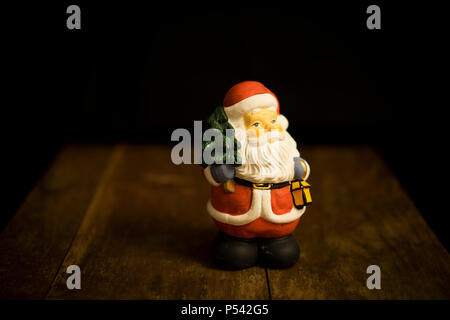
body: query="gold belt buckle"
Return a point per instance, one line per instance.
(262, 186)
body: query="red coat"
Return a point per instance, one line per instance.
(250, 213)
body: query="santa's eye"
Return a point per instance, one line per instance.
(273, 121)
(256, 124)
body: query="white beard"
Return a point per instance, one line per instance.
(264, 162)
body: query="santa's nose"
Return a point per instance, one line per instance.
(268, 126)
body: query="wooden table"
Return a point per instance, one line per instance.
(137, 226)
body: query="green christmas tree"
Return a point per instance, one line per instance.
(218, 120)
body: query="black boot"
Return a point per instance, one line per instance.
(231, 253)
(278, 253)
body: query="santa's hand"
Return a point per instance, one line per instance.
(301, 168)
(222, 172)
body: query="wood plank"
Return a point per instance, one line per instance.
(36, 240)
(361, 216)
(147, 235)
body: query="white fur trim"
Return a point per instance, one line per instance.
(283, 121)
(263, 100)
(209, 177)
(261, 207)
(237, 123)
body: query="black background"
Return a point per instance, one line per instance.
(136, 72)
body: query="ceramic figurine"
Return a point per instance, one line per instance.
(257, 201)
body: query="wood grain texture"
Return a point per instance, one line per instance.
(147, 235)
(361, 216)
(137, 226)
(36, 240)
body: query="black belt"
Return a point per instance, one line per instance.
(262, 186)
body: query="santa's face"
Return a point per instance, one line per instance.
(261, 122)
(267, 150)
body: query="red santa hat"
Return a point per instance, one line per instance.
(250, 96)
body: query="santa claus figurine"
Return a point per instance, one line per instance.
(269, 193)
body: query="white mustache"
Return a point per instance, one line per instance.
(268, 137)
